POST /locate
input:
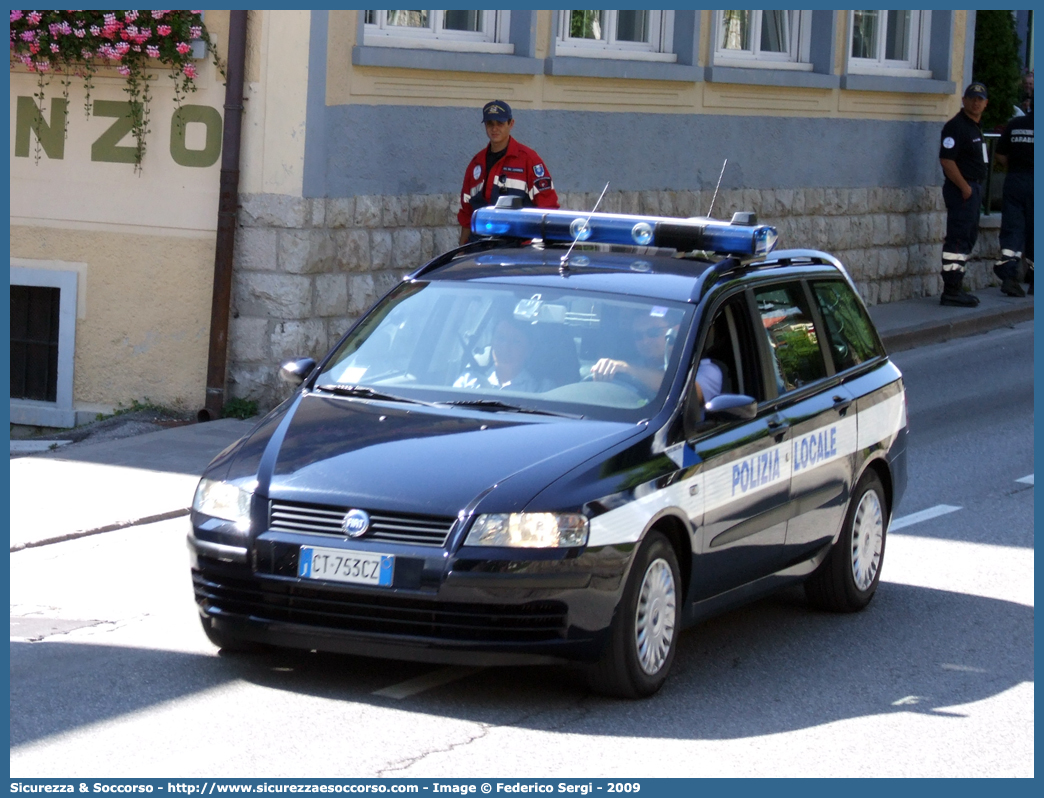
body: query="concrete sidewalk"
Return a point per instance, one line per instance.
(88, 488)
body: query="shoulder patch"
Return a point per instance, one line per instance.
(538, 170)
(542, 184)
(476, 172)
(948, 143)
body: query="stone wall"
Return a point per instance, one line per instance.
(306, 269)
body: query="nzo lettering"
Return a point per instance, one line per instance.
(812, 449)
(755, 471)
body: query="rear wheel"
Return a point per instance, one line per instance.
(848, 578)
(645, 631)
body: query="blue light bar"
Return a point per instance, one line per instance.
(683, 235)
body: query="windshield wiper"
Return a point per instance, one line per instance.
(496, 404)
(363, 392)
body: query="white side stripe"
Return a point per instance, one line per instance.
(1027, 480)
(712, 488)
(923, 515)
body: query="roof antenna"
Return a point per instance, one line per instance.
(710, 211)
(580, 229)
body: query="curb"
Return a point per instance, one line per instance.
(931, 332)
(149, 519)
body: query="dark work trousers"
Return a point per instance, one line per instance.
(1016, 233)
(962, 230)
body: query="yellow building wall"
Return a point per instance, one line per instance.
(347, 84)
(144, 242)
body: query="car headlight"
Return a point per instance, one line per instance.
(529, 530)
(223, 500)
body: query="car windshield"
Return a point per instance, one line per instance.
(508, 348)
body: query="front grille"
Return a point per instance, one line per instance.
(420, 530)
(270, 600)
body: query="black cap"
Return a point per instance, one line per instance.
(976, 90)
(496, 110)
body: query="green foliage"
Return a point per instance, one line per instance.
(239, 408)
(996, 63)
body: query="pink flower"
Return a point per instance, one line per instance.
(195, 31)
(43, 66)
(159, 14)
(123, 70)
(54, 47)
(34, 18)
(182, 48)
(28, 36)
(110, 19)
(189, 71)
(163, 30)
(152, 50)
(95, 30)
(122, 48)
(80, 33)
(131, 15)
(87, 54)
(16, 15)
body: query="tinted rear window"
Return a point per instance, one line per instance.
(850, 332)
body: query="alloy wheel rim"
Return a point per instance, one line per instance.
(654, 617)
(867, 540)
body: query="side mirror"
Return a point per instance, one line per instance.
(723, 407)
(731, 407)
(294, 372)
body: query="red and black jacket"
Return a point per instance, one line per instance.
(519, 173)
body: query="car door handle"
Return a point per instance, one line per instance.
(841, 404)
(778, 428)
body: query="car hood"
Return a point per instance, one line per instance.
(405, 458)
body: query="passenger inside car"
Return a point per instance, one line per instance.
(512, 351)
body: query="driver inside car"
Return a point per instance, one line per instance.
(653, 339)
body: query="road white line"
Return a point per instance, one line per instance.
(425, 682)
(1027, 480)
(923, 515)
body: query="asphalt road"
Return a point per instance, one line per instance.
(111, 675)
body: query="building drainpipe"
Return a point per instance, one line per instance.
(228, 209)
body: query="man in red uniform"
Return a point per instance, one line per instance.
(504, 168)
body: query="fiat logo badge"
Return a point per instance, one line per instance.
(355, 523)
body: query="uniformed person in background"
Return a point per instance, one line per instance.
(504, 168)
(964, 158)
(1015, 151)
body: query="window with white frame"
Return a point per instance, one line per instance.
(777, 39)
(889, 42)
(646, 35)
(465, 31)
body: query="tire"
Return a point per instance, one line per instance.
(227, 642)
(645, 630)
(848, 578)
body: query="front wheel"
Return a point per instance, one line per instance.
(848, 578)
(645, 631)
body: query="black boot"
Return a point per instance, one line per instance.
(953, 292)
(1007, 270)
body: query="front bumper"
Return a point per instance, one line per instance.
(469, 606)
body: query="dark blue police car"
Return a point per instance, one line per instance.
(564, 441)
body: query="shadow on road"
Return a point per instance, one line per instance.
(768, 668)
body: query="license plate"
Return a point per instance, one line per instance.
(346, 565)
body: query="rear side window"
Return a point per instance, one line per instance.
(849, 330)
(793, 342)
